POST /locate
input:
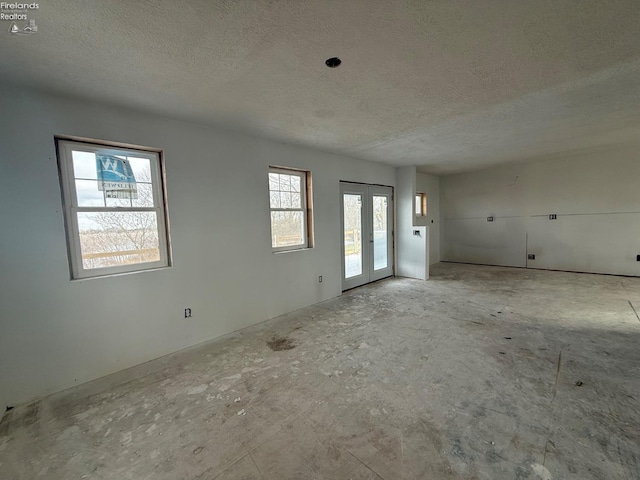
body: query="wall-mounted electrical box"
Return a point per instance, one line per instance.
(531, 256)
(553, 216)
(489, 219)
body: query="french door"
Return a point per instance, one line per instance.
(367, 233)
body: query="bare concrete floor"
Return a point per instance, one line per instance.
(480, 373)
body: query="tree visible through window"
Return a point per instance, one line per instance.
(289, 206)
(114, 208)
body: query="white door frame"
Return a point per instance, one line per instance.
(368, 271)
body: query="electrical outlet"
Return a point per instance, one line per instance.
(319, 278)
(553, 216)
(187, 313)
(489, 219)
(531, 256)
(637, 258)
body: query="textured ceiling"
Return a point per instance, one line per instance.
(446, 85)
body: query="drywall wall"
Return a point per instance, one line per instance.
(594, 195)
(412, 241)
(55, 333)
(430, 186)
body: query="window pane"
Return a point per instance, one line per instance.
(89, 194)
(84, 165)
(287, 229)
(274, 181)
(109, 239)
(274, 201)
(285, 183)
(418, 204)
(295, 183)
(285, 200)
(144, 195)
(141, 169)
(296, 201)
(118, 202)
(352, 235)
(380, 251)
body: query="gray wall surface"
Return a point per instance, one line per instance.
(55, 333)
(595, 197)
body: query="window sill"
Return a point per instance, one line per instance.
(303, 249)
(121, 274)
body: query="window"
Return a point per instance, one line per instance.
(421, 204)
(114, 206)
(290, 209)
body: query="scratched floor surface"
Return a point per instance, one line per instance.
(479, 373)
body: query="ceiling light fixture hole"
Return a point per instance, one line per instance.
(333, 62)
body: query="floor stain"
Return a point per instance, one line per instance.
(278, 344)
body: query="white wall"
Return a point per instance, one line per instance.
(412, 249)
(430, 186)
(55, 333)
(595, 196)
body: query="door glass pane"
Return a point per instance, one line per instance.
(352, 235)
(380, 259)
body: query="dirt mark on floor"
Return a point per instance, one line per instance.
(278, 343)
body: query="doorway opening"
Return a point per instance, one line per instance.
(367, 233)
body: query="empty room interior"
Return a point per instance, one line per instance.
(358, 239)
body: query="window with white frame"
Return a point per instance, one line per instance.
(114, 206)
(290, 209)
